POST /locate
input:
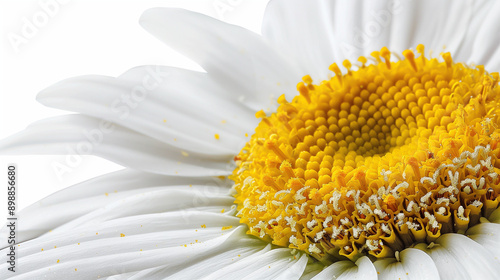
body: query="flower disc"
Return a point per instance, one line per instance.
(374, 160)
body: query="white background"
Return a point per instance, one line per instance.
(80, 37)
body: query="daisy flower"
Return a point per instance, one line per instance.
(351, 140)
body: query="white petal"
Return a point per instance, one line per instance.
(343, 30)
(83, 198)
(77, 134)
(485, 50)
(152, 210)
(334, 270)
(413, 264)
(119, 255)
(312, 269)
(284, 269)
(236, 58)
(362, 269)
(274, 264)
(179, 107)
(305, 30)
(488, 235)
(166, 218)
(469, 47)
(448, 20)
(459, 257)
(154, 202)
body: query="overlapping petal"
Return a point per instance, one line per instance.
(458, 257)
(345, 30)
(182, 108)
(362, 269)
(413, 264)
(242, 61)
(159, 224)
(81, 135)
(135, 254)
(76, 201)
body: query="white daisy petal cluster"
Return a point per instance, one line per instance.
(171, 213)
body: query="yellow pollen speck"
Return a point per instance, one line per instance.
(227, 227)
(96, 233)
(55, 247)
(57, 261)
(190, 186)
(184, 153)
(42, 249)
(389, 154)
(246, 134)
(78, 243)
(164, 120)
(106, 194)
(222, 211)
(122, 235)
(204, 226)
(216, 136)
(75, 269)
(223, 121)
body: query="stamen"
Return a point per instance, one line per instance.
(304, 91)
(410, 56)
(261, 115)
(335, 69)
(363, 61)
(386, 54)
(447, 58)
(421, 51)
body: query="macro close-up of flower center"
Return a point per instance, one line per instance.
(381, 157)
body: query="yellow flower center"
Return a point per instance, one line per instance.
(376, 160)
